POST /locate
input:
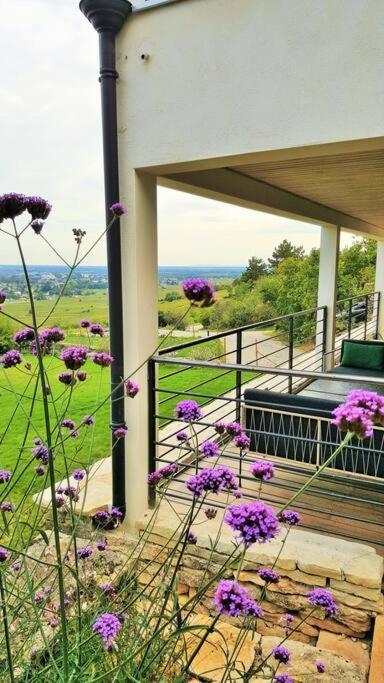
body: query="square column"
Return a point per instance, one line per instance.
(379, 287)
(327, 287)
(140, 302)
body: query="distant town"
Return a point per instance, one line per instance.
(48, 280)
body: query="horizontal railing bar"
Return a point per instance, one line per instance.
(355, 296)
(243, 328)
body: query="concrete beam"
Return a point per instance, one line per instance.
(232, 187)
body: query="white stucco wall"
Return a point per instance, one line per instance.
(236, 76)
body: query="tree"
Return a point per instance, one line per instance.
(254, 271)
(283, 251)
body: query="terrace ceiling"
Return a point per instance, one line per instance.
(345, 189)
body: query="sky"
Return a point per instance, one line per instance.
(50, 136)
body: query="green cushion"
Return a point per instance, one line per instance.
(369, 356)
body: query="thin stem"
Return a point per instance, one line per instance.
(6, 629)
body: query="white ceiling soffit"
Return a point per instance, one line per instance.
(151, 4)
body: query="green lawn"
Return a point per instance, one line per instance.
(95, 442)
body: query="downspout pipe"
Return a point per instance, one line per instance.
(107, 17)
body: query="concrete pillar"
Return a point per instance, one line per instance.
(329, 256)
(140, 295)
(379, 287)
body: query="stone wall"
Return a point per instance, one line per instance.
(352, 572)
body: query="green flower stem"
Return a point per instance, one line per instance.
(6, 629)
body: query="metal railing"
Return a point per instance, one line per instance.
(339, 502)
(356, 318)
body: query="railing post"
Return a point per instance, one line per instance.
(290, 353)
(239, 343)
(324, 332)
(152, 431)
(349, 318)
(366, 316)
(376, 300)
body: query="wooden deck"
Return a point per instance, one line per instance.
(351, 507)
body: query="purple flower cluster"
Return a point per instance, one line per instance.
(37, 226)
(12, 204)
(242, 441)
(320, 666)
(262, 470)
(79, 474)
(41, 453)
(102, 358)
(88, 420)
(5, 476)
(182, 436)
(281, 654)
(74, 357)
(254, 522)
(210, 449)
(210, 513)
(3, 294)
(6, 506)
(131, 388)
(282, 678)
(188, 410)
(120, 432)
(233, 600)
(4, 554)
(40, 471)
(10, 359)
(107, 626)
(233, 429)
(118, 209)
(163, 473)
(191, 538)
(290, 517)
(84, 553)
(70, 424)
(359, 413)
(23, 337)
(269, 575)
(96, 329)
(38, 207)
(84, 324)
(319, 597)
(107, 519)
(199, 292)
(213, 480)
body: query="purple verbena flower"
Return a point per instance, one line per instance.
(69, 424)
(71, 492)
(281, 654)
(219, 427)
(233, 600)
(351, 418)
(5, 476)
(242, 441)
(3, 294)
(6, 506)
(16, 566)
(40, 471)
(10, 359)
(101, 517)
(233, 429)
(51, 335)
(96, 329)
(12, 204)
(24, 336)
(37, 226)
(79, 474)
(67, 378)
(88, 420)
(290, 517)
(39, 597)
(38, 207)
(118, 209)
(268, 575)
(84, 553)
(4, 554)
(81, 375)
(210, 449)
(54, 623)
(199, 292)
(191, 538)
(188, 410)
(107, 626)
(120, 432)
(182, 436)
(84, 324)
(255, 522)
(320, 666)
(131, 388)
(74, 357)
(106, 588)
(213, 480)
(370, 401)
(41, 453)
(162, 473)
(115, 513)
(262, 470)
(59, 500)
(103, 359)
(282, 678)
(319, 597)
(101, 545)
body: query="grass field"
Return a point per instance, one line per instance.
(94, 442)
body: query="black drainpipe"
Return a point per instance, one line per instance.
(107, 17)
